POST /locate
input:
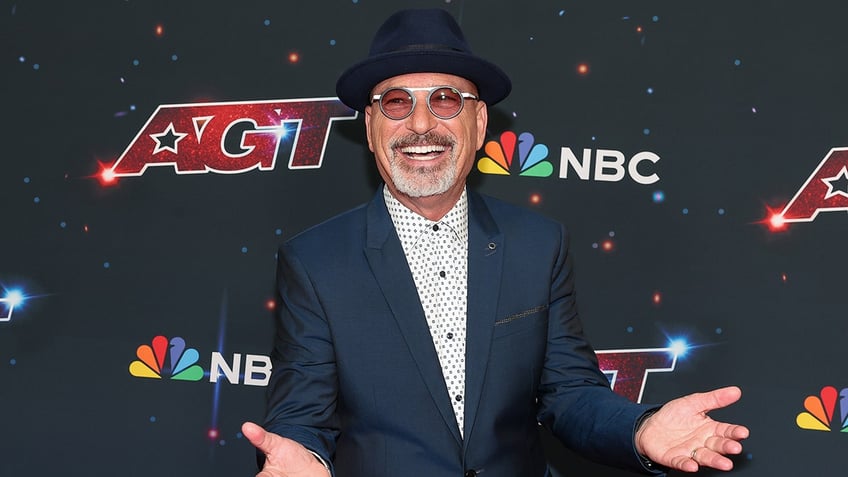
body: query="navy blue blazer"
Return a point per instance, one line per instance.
(357, 380)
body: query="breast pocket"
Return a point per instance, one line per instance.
(521, 321)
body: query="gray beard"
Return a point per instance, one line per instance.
(423, 181)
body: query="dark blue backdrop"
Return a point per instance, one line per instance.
(740, 101)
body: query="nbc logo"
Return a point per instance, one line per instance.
(152, 359)
(819, 414)
(172, 359)
(600, 165)
(531, 156)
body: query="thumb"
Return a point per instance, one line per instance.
(259, 437)
(284, 457)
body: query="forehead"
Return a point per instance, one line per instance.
(418, 80)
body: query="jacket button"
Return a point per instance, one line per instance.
(471, 473)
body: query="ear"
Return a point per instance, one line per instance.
(368, 112)
(482, 123)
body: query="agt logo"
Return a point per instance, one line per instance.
(826, 190)
(231, 137)
(820, 414)
(172, 359)
(604, 165)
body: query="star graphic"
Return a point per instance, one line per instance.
(167, 140)
(838, 184)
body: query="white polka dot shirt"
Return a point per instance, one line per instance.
(437, 254)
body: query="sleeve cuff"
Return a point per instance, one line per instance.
(322, 461)
(647, 463)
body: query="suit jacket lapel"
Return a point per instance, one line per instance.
(388, 263)
(485, 260)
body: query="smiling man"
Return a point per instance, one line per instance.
(424, 156)
(430, 331)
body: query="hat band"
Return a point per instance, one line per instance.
(428, 46)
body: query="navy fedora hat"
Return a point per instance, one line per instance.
(420, 41)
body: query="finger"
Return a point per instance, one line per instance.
(732, 431)
(723, 445)
(726, 437)
(721, 397)
(736, 432)
(685, 463)
(706, 457)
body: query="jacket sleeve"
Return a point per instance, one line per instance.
(303, 390)
(575, 400)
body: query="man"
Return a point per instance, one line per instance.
(430, 331)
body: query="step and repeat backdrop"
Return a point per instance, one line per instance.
(156, 154)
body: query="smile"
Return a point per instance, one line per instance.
(422, 152)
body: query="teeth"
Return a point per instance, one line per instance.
(422, 149)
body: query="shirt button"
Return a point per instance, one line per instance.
(450, 336)
(435, 227)
(470, 473)
(442, 274)
(458, 398)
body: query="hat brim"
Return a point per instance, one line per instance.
(354, 85)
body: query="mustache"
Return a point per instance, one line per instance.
(429, 139)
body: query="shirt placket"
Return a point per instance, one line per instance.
(447, 314)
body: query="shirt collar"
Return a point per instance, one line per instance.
(411, 227)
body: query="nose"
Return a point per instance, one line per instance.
(421, 120)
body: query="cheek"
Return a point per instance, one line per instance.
(378, 136)
(369, 129)
(468, 164)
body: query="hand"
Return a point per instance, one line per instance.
(283, 457)
(681, 436)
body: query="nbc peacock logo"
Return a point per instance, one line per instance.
(532, 157)
(164, 358)
(820, 411)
